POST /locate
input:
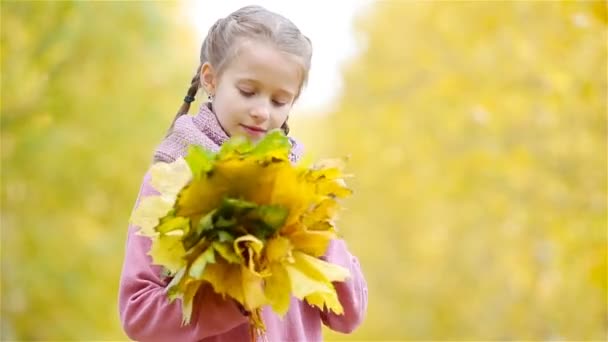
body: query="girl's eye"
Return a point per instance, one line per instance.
(246, 93)
(278, 103)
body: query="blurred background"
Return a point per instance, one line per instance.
(476, 133)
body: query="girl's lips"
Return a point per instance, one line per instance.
(254, 131)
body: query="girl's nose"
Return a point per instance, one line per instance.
(260, 113)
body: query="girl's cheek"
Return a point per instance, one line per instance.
(278, 120)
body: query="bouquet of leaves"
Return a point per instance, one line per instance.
(249, 223)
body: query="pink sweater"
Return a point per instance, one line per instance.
(146, 314)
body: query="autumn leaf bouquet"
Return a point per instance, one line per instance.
(248, 222)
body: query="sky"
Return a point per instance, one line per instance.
(329, 26)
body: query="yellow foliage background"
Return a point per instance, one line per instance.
(477, 136)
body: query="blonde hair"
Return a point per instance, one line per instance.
(251, 22)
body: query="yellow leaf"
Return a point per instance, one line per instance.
(199, 198)
(326, 300)
(303, 284)
(226, 251)
(188, 297)
(278, 249)
(316, 276)
(319, 269)
(325, 226)
(322, 211)
(170, 178)
(292, 193)
(247, 179)
(328, 168)
(249, 248)
(250, 241)
(174, 226)
(333, 188)
(253, 292)
(311, 242)
(225, 278)
(168, 251)
(277, 289)
(148, 213)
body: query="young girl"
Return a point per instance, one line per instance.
(254, 64)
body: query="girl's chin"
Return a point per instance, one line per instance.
(251, 137)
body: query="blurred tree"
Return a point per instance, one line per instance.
(78, 131)
(477, 135)
(476, 131)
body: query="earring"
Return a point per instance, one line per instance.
(210, 97)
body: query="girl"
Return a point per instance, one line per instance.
(254, 64)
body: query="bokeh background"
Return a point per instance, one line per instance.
(476, 132)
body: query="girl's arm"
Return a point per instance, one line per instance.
(145, 311)
(352, 293)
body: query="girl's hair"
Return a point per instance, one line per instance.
(250, 22)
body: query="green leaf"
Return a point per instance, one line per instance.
(166, 273)
(198, 266)
(264, 220)
(204, 224)
(230, 210)
(223, 223)
(261, 230)
(275, 145)
(272, 215)
(238, 204)
(199, 160)
(173, 288)
(235, 147)
(224, 236)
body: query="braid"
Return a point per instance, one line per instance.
(190, 96)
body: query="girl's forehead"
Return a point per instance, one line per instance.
(264, 63)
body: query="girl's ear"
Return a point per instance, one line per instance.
(208, 78)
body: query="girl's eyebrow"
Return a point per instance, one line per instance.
(248, 80)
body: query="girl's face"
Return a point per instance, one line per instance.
(255, 91)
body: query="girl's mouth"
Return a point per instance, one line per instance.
(253, 131)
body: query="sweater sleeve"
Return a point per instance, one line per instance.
(352, 293)
(145, 311)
